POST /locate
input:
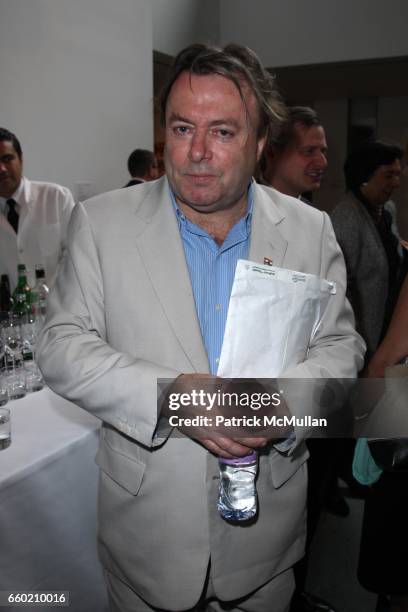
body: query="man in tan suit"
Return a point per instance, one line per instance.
(144, 295)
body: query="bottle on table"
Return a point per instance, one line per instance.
(20, 306)
(237, 498)
(5, 297)
(39, 293)
(23, 288)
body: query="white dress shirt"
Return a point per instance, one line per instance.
(44, 210)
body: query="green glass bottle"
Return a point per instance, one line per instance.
(23, 288)
(20, 306)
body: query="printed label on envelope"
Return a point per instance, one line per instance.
(272, 318)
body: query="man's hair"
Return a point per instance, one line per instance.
(363, 161)
(5, 135)
(241, 66)
(303, 115)
(140, 161)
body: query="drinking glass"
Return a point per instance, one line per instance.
(5, 428)
(11, 336)
(4, 398)
(13, 371)
(33, 377)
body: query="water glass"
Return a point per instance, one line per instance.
(11, 336)
(15, 381)
(4, 398)
(33, 377)
(5, 428)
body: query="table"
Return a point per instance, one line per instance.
(48, 491)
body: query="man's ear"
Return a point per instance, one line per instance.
(260, 147)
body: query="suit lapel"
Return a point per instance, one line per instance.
(162, 251)
(266, 239)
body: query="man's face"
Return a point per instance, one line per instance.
(11, 168)
(154, 171)
(379, 187)
(211, 142)
(299, 168)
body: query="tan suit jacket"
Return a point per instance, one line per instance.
(123, 315)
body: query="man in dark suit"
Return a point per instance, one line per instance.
(142, 166)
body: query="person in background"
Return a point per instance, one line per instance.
(363, 228)
(394, 347)
(295, 165)
(142, 166)
(144, 296)
(33, 216)
(384, 534)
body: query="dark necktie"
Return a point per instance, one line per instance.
(12, 216)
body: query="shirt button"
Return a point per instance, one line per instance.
(217, 360)
(21, 251)
(218, 307)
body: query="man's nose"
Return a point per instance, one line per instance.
(321, 160)
(396, 179)
(3, 167)
(199, 148)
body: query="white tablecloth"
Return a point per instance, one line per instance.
(48, 489)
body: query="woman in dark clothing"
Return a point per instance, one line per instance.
(363, 227)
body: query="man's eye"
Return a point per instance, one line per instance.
(223, 133)
(181, 130)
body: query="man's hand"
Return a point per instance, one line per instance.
(229, 425)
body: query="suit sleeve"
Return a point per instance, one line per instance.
(76, 360)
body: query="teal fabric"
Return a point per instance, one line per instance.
(365, 469)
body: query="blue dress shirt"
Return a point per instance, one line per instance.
(212, 270)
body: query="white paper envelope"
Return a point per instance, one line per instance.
(273, 315)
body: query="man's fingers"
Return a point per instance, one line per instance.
(215, 449)
(252, 443)
(226, 447)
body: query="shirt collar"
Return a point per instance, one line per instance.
(181, 218)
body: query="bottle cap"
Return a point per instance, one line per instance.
(247, 460)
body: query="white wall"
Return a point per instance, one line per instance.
(178, 23)
(296, 32)
(76, 87)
